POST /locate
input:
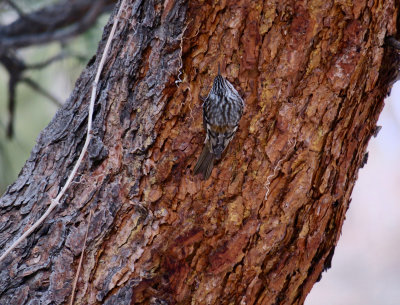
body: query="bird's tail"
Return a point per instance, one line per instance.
(205, 163)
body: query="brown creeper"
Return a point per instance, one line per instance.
(222, 110)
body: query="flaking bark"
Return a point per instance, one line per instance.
(313, 75)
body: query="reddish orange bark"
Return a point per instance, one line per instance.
(313, 76)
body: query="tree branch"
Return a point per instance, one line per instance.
(73, 29)
(54, 22)
(12, 84)
(56, 201)
(35, 86)
(15, 8)
(43, 64)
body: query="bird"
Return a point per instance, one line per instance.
(222, 110)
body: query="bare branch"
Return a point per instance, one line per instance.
(80, 260)
(47, 62)
(35, 86)
(15, 8)
(52, 23)
(55, 202)
(56, 22)
(12, 83)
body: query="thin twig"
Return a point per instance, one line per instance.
(15, 8)
(80, 260)
(12, 84)
(22, 15)
(55, 202)
(276, 169)
(35, 86)
(179, 80)
(18, 41)
(30, 230)
(43, 64)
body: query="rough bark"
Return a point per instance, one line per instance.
(313, 76)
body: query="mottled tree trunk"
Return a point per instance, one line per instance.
(264, 226)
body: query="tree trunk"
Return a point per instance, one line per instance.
(265, 225)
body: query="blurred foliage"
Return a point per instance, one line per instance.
(33, 111)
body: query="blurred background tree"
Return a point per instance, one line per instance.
(44, 46)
